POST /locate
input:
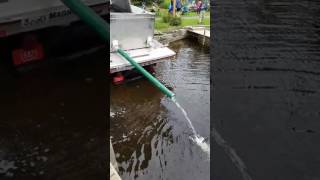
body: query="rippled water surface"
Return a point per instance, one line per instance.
(50, 121)
(151, 136)
(266, 96)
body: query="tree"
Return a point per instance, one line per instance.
(174, 8)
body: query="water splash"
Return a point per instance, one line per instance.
(198, 139)
(6, 166)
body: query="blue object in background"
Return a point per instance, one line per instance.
(170, 8)
(185, 9)
(178, 6)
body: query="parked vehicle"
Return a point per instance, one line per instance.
(31, 30)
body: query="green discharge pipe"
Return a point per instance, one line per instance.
(87, 15)
(152, 79)
(102, 28)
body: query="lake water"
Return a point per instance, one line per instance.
(266, 89)
(150, 135)
(50, 122)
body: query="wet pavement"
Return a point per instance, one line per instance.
(266, 90)
(150, 135)
(51, 117)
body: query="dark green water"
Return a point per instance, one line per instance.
(50, 123)
(150, 134)
(266, 89)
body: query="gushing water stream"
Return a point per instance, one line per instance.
(198, 139)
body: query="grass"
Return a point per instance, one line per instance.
(187, 20)
(162, 26)
(163, 12)
(190, 14)
(193, 22)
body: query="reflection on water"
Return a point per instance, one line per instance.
(266, 95)
(150, 134)
(50, 122)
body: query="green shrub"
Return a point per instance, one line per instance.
(166, 18)
(159, 2)
(147, 2)
(165, 4)
(136, 2)
(175, 21)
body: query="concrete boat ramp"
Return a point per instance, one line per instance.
(200, 31)
(202, 34)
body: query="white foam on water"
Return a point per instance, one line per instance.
(199, 140)
(6, 166)
(112, 114)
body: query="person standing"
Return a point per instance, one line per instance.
(199, 5)
(201, 13)
(171, 7)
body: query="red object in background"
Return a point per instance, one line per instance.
(23, 56)
(31, 51)
(118, 79)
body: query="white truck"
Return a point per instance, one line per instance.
(30, 29)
